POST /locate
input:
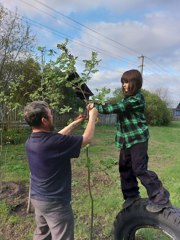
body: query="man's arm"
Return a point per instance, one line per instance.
(90, 129)
(68, 129)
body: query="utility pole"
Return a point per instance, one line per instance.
(42, 50)
(142, 64)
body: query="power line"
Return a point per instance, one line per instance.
(92, 47)
(89, 46)
(156, 64)
(88, 28)
(84, 26)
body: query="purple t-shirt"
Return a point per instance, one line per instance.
(49, 157)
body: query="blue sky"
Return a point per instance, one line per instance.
(120, 31)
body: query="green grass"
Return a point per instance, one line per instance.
(13, 164)
(164, 159)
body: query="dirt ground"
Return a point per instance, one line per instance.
(16, 198)
(15, 195)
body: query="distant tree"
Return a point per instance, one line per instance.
(117, 95)
(27, 78)
(16, 42)
(164, 95)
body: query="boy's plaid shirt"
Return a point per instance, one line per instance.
(131, 125)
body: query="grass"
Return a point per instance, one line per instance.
(164, 159)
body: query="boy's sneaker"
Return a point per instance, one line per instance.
(129, 201)
(155, 208)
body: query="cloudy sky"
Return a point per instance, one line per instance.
(120, 31)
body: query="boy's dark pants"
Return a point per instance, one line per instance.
(133, 164)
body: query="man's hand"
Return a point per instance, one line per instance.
(79, 119)
(81, 116)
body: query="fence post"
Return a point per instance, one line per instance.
(1, 142)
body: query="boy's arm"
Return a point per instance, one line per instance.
(110, 108)
(135, 102)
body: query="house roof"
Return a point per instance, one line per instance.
(87, 92)
(178, 106)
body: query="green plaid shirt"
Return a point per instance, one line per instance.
(131, 125)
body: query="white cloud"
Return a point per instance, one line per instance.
(143, 27)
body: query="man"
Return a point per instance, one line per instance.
(49, 155)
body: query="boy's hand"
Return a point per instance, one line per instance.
(93, 112)
(90, 106)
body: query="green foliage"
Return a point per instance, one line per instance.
(4, 210)
(59, 79)
(109, 162)
(157, 111)
(117, 96)
(15, 41)
(56, 82)
(100, 97)
(27, 80)
(14, 220)
(15, 136)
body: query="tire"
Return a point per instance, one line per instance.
(129, 220)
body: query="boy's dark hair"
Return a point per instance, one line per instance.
(34, 112)
(134, 78)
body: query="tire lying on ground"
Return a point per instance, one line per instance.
(129, 220)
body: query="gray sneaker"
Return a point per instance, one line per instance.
(129, 201)
(155, 208)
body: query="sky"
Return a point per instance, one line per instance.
(122, 32)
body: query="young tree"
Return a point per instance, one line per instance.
(52, 82)
(56, 84)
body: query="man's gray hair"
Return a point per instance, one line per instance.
(35, 111)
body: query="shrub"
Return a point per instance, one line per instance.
(157, 111)
(15, 136)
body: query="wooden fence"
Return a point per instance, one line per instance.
(14, 119)
(107, 119)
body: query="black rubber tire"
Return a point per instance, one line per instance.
(129, 220)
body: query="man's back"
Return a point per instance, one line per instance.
(49, 162)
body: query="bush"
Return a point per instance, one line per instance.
(157, 111)
(15, 136)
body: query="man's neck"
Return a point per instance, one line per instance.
(40, 130)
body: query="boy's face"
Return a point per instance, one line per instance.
(125, 86)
